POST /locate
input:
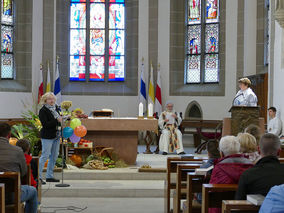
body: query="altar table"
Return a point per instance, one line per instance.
(119, 133)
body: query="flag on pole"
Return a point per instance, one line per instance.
(57, 89)
(142, 94)
(158, 96)
(40, 87)
(151, 95)
(48, 88)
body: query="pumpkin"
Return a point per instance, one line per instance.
(76, 159)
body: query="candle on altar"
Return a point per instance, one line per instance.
(150, 110)
(140, 113)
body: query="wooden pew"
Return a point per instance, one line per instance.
(12, 185)
(213, 194)
(171, 169)
(180, 191)
(194, 185)
(238, 205)
(2, 198)
(26, 180)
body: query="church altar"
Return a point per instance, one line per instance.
(119, 133)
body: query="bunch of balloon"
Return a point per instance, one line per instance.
(75, 132)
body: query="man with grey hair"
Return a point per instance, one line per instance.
(232, 164)
(171, 137)
(266, 173)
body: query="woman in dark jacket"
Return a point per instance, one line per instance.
(50, 119)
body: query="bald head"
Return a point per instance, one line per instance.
(269, 145)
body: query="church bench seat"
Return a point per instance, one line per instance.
(12, 185)
(172, 163)
(229, 206)
(214, 194)
(180, 190)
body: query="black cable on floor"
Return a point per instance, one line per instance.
(64, 208)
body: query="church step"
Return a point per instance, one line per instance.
(109, 175)
(106, 188)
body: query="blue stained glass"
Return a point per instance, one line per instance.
(6, 39)
(212, 38)
(116, 42)
(97, 42)
(77, 68)
(97, 15)
(117, 1)
(116, 16)
(116, 68)
(97, 0)
(7, 12)
(97, 68)
(77, 42)
(194, 38)
(78, 0)
(7, 66)
(78, 16)
(212, 11)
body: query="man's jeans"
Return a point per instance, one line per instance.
(29, 196)
(50, 150)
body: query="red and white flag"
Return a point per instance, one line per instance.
(40, 87)
(158, 96)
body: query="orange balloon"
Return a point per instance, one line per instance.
(80, 131)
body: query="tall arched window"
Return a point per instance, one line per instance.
(97, 40)
(7, 39)
(202, 51)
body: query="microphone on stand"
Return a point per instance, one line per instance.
(236, 98)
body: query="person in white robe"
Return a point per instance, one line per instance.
(275, 124)
(171, 137)
(245, 96)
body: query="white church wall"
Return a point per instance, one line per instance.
(278, 86)
(250, 26)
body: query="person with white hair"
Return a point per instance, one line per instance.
(231, 164)
(171, 137)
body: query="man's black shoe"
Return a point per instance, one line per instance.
(181, 153)
(164, 153)
(52, 180)
(42, 182)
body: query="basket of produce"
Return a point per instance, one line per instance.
(108, 162)
(83, 143)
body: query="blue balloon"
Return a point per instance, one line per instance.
(67, 132)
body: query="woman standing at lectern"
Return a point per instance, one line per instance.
(245, 96)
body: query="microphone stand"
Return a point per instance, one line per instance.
(62, 184)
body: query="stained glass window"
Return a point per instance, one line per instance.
(7, 38)
(202, 63)
(106, 55)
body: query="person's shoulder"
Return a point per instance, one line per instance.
(16, 149)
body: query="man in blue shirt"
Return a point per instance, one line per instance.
(274, 200)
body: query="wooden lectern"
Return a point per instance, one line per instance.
(242, 116)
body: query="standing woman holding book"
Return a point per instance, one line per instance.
(50, 119)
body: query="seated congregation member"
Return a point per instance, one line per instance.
(266, 173)
(12, 159)
(274, 124)
(274, 200)
(24, 144)
(245, 96)
(213, 155)
(50, 119)
(171, 137)
(255, 131)
(248, 146)
(232, 164)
